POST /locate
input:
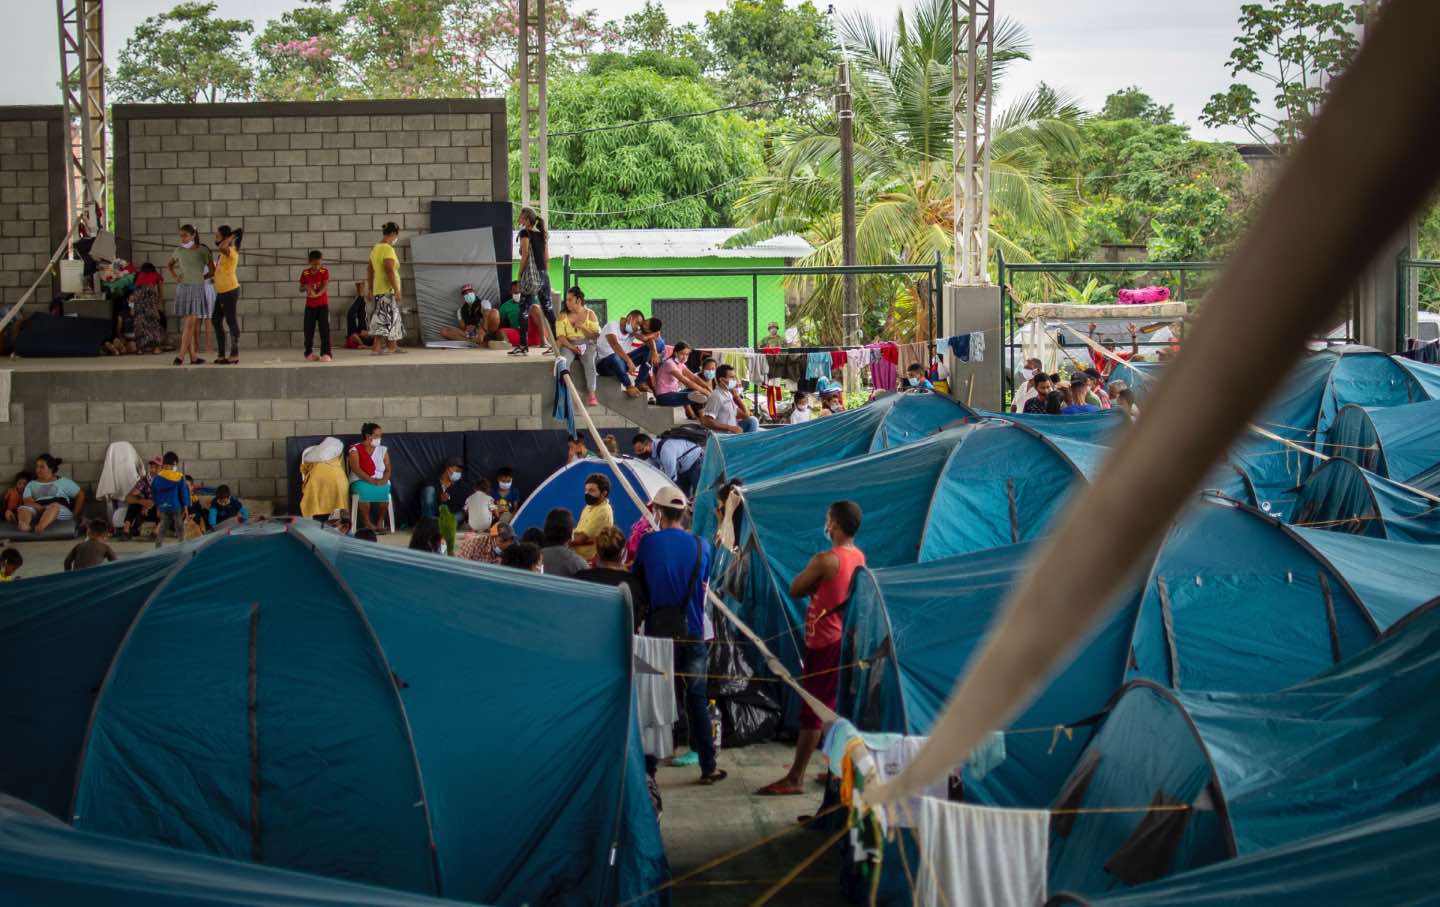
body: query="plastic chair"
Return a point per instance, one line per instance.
(355, 512)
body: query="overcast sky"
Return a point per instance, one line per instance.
(1175, 51)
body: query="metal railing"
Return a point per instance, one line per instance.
(709, 301)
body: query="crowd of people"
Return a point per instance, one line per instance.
(1085, 391)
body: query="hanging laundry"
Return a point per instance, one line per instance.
(817, 365)
(759, 365)
(882, 374)
(562, 411)
(959, 347)
(977, 346)
(655, 710)
(787, 366)
(890, 351)
(982, 856)
(838, 359)
(740, 361)
(913, 354)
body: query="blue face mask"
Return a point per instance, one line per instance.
(708, 374)
(914, 382)
(454, 476)
(469, 298)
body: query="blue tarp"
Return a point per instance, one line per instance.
(565, 488)
(886, 422)
(1259, 770)
(44, 863)
(283, 694)
(1342, 497)
(1392, 860)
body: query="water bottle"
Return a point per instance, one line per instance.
(715, 725)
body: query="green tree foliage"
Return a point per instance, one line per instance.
(1133, 104)
(1297, 47)
(649, 31)
(326, 49)
(904, 179)
(764, 49)
(674, 174)
(184, 56)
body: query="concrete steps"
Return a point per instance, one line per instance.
(652, 419)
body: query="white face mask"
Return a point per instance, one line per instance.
(188, 245)
(374, 442)
(505, 486)
(515, 298)
(454, 476)
(443, 548)
(469, 298)
(731, 383)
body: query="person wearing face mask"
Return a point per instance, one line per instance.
(725, 411)
(507, 497)
(620, 357)
(189, 266)
(915, 379)
(826, 579)
(597, 516)
(510, 309)
(446, 491)
(476, 321)
(369, 464)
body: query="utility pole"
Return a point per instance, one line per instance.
(82, 89)
(971, 109)
(534, 111)
(850, 320)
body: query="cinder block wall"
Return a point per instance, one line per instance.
(299, 176)
(230, 425)
(32, 198)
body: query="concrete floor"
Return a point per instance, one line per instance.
(699, 824)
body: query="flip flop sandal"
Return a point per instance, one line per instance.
(714, 777)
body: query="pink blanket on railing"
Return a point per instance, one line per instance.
(1143, 295)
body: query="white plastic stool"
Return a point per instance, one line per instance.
(355, 512)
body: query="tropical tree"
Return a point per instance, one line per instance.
(184, 56)
(1297, 47)
(659, 173)
(764, 49)
(903, 172)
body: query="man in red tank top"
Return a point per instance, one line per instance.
(826, 579)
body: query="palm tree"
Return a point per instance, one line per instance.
(903, 172)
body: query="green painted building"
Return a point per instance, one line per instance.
(723, 309)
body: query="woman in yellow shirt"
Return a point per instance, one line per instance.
(577, 334)
(227, 294)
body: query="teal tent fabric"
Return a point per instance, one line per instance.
(1262, 770)
(1393, 859)
(44, 863)
(1400, 443)
(286, 695)
(889, 421)
(910, 631)
(1235, 600)
(946, 495)
(1342, 497)
(1424, 373)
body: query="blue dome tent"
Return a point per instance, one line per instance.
(910, 632)
(1342, 497)
(966, 489)
(1400, 443)
(1252, 770)
(1426, 374)
(1236, 600)
(1392, 859)
(44, 863)
(566, 488)
(887, 422)
(281, 694)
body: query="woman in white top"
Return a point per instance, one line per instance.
(369, 464)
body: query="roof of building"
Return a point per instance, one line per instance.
(702, 243)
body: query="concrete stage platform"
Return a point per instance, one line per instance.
(229, 423)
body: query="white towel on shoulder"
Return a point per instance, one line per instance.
(982, 856)
(123, 467)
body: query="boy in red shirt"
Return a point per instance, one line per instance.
(315, 281)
